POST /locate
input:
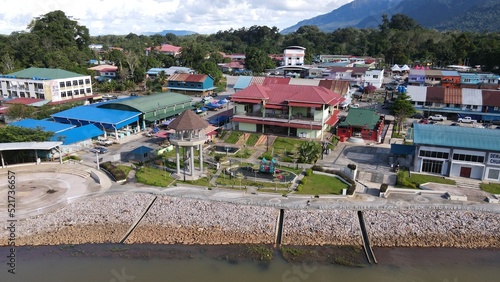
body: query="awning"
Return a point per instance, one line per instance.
(276, 123)
(306, 105)
(278, 107)
(333, 119)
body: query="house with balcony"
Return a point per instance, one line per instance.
(450, 79)
(104, 72)
(361, 76)
(191, 84)
(291, 110)
(55, 85)
(416, 77)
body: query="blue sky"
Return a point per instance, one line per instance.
(202, 16)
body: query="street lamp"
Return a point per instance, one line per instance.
(230, 173)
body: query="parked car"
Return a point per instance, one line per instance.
(101, 150)
(423, 121)
(437, 117)
(418, 115)
(466, 120)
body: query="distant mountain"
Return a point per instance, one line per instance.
(465, 15)
(348, 15)
(175, 32)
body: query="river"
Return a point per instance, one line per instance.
(60, 263)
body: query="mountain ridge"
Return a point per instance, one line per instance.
(464, 15)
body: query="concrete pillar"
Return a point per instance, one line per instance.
(191, 160)
(3, 161)
(177, 158)
(200, 150)
(116, 134)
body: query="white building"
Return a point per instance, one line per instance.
(47, 84)
(457, 151)
(294, 56)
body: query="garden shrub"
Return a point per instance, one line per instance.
(383, 187)
(309, 172)
(115, 172)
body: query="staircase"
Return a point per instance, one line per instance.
(262, 140)
(467, 183)
(243, 139)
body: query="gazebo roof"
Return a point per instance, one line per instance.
(188, 120)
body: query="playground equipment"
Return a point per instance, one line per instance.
(267, 166)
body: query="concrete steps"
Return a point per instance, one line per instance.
(467, 183)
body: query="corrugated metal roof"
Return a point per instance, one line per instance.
(145, 104)
(435, 94)
(303, 81)
(96, 115)
(44, 73)
(457, 136)
(361, 117)
(78, 134)
(29, 146)
(45, 125)
(417, 93)
(242, 82)
(453, 96)
(188, 77)
(491, 98)
(472, 97)
(433, 73)
(259, 80)
(450, 73)
(414, 72)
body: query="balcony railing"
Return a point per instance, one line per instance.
(278, 117)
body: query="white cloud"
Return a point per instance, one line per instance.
(203, 16)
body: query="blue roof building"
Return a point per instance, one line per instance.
(78, 134)
(45, 125)
(457, 151)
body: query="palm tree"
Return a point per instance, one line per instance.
(309, 152)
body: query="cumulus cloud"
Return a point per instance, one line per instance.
(202, 16)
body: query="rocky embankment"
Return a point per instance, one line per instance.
(188, 221)
(433, 228)
(321, 227)
(107, 218)
(103, 219)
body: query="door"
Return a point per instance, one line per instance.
(465, 171)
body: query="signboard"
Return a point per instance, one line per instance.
(494, 159)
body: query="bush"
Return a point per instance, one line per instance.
(309, 172)
(267, 155)
(303, 181)
(299, 188)
(317, 168)
(115, 172)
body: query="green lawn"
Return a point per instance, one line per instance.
(318, 184)
(493, 188)
(233, 138)
(416, 179)
(252, 139)
(225, 181)
(124, 168)
(153, 177)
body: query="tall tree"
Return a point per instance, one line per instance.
(309, 152)
(402, 108)
(258, 61)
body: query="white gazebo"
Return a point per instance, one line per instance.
(190, 133)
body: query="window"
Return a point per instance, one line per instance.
(420, 103)
(87, 81)
(468, 158)
(437, 105)
(474, 107)
(22, 95)
(375, 76)
(80, 82)
(493, 173)
(496, 108)
(70, 93)
(61, 84)
(68, 83)
(77, 92)
(434, 154)
(63, 94)
(88, 90)
(428, 104)
(75, 82)
(432, 166)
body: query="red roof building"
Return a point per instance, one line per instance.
(291, 110)
(166, 49)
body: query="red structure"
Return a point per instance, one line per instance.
(362, 123)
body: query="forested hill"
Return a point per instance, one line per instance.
(464, 15)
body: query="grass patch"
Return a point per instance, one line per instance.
(416, 179)
(244, 153)
(252, 139)
(493, 188)
(233, 137)
(284, 144)
(317, 184)
(124, 168)
(264, 253)
(153, 177)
